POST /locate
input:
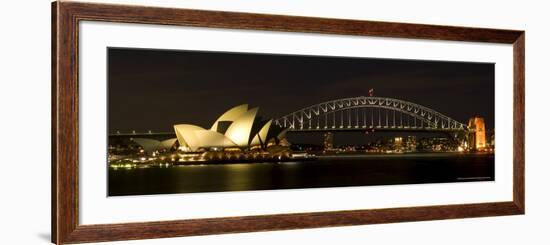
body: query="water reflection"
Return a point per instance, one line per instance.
(323, 172)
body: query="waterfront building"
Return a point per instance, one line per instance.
(398, 143)
(477, 138)
(239, 128)
(410, 144)
(328, 141)
(151, 145)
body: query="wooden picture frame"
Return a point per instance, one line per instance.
(65, 120)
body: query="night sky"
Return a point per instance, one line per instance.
(155, 89)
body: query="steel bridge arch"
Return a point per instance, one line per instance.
(302, 120)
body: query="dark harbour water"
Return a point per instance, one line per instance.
(337, 171)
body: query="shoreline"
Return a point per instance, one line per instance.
(312, 157)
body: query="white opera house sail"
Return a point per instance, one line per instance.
(237, 128)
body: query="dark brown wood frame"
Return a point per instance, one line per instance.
(65, 35)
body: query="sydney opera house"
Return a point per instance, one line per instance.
(239, 128)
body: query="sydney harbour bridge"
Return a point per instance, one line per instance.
(362, 113)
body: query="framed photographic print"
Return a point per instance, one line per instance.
(175, 122)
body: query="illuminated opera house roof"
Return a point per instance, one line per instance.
(151, 145)
(239, 127)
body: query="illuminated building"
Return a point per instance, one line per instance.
(477, 138)
(398, 143)
(328, 141)
(151, 145)
(411, 143)
(490, 134)
(238, 128)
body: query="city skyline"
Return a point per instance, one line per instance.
(153, 89)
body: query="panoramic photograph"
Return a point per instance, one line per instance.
(183, 121)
